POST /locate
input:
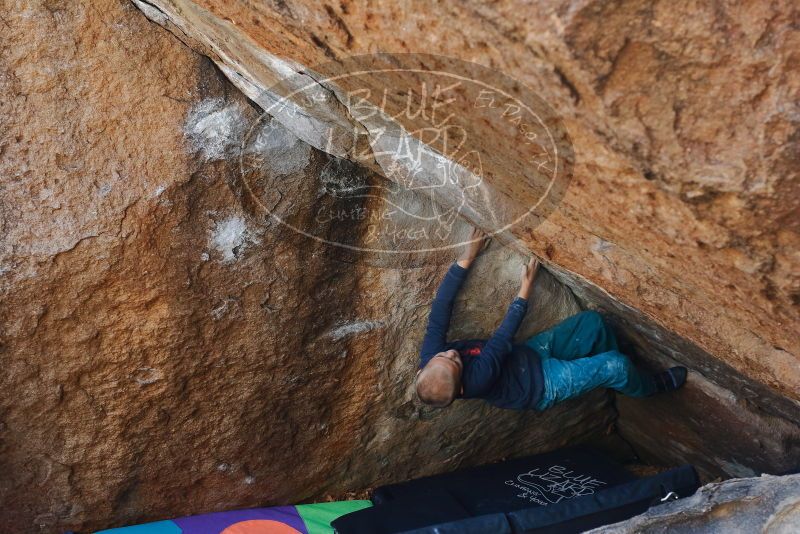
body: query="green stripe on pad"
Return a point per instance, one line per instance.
(317, 517)
(157, 527)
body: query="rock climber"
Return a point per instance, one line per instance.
(574, 357)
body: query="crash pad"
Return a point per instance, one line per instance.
(564, 491)
(300, 519)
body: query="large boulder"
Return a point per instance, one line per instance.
(680, 219)
(764, 504)
(170, 347)
(166, 349)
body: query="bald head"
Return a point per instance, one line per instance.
(439, 382)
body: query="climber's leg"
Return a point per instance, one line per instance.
(581, 335)
(567, 379)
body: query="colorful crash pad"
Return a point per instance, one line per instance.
(300, 519)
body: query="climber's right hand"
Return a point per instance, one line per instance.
(528, 276)
(477, 240)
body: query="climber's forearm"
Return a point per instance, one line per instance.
(467, 257)
(528, 276)
(441, 309)
(525, 292)
(465, 263)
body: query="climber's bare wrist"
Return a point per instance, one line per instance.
(524, 292)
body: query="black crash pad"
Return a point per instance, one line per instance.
(538, 480)
(568, 490)
(404, 514)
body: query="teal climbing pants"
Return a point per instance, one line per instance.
(581, 354)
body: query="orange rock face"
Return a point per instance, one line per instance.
(169, 348)
(681, 214)
(690, 144)
(166, 350)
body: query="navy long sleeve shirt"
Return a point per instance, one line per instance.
(496, 370)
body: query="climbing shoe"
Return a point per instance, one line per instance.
(670, 380)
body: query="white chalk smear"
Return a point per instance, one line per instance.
(349, 329)
(147, 375)
(215, 129)
(230, 237)
(219, 311)
(280, 152)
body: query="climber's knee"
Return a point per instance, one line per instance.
(600, 331)
(591, 317)
(592, 321)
